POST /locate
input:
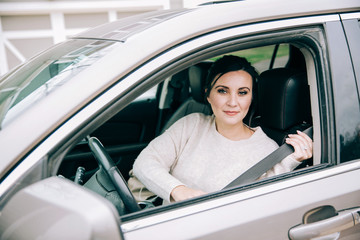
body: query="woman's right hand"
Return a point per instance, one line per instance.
(182, 192)
(302, 145)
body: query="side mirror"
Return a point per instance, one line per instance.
(56, 208)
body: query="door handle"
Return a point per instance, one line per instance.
(325, 227)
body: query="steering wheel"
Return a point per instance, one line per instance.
(107, 164)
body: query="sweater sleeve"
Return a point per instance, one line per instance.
(154, 164)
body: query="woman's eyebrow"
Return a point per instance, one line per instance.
(244, 88)
(222, 86)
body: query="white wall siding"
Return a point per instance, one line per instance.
(27, 28)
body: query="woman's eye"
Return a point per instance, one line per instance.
(221, 90)
(243, 92)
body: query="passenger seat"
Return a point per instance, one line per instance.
(284, 102)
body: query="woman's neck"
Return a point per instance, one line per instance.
(234, 132)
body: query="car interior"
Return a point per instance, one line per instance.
(281, 105)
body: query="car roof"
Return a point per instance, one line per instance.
(217, 16)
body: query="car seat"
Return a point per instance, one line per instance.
(284, 102)
(196, 102)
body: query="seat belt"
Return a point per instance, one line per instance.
(253, 173)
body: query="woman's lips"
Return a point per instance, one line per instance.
(231, 113)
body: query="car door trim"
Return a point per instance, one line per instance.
(144, 222)
(346, 16)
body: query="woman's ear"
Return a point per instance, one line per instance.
(206, 95)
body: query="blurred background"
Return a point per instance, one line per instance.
(28, 27)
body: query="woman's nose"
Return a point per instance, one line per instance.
(232, 101)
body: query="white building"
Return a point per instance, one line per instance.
(27, 27)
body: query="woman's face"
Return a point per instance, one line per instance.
(230, 98)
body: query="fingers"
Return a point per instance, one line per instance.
(305, 137)
(182, 192)
(302, 144)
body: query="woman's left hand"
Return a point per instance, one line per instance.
(302, 144)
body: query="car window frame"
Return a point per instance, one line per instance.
(221, 193)
(78, 126)
(319, 65)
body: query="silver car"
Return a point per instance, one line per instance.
(74, 118)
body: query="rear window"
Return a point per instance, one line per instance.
(267, 57)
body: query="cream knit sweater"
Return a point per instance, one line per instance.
(192, 153)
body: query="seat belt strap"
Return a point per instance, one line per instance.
(253, 173)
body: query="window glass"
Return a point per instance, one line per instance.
(260, 57)
(282, 56)
(37, 79)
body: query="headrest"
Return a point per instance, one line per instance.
(284, 98)
(197, 78)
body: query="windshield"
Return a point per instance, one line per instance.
(25, 85)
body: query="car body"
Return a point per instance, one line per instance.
(113, 82)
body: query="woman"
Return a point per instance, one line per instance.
(200, 154)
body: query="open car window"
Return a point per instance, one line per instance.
(126, 134)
